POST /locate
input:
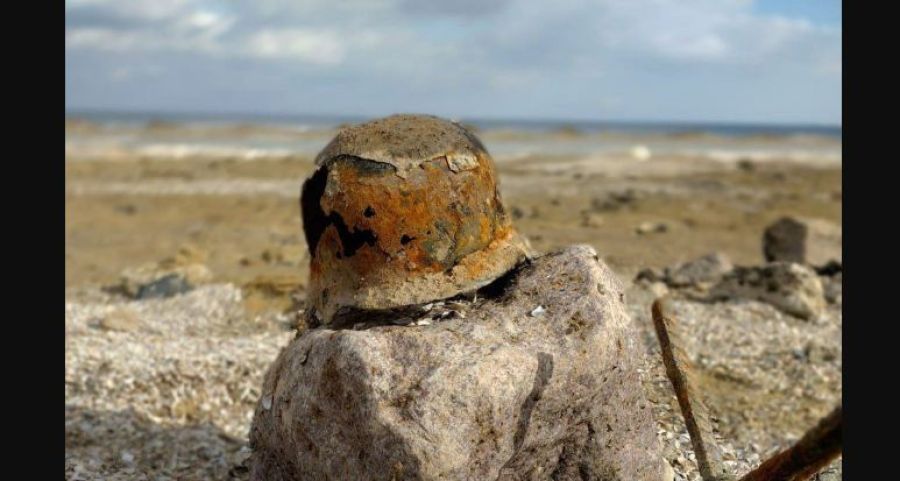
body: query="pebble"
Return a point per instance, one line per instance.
(651, 228)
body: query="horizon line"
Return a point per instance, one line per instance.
(70, 112)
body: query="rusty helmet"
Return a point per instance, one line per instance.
(400, 211)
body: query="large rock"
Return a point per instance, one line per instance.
(792, 288)
(538, 381)
(803, 240)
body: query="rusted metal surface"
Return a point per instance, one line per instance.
(696, 415)
(400, 211)
(818, 447)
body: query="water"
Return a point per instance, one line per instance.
(257, 136)
(534, 126)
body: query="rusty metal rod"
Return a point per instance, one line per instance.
(696, 416)
(818, 447)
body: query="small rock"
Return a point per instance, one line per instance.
(658, 289)
(803, 240)
(127, 209)
(834, 288)
(191, 254)
(640, 152)
(707, 269)
(817, 353)
(668, 472)
(166, 286)
(651, 228)
(186, 256)
(650, 274)
(746, 165)
(591, 219)
(615, 201)
(163, 279)
(792, 288)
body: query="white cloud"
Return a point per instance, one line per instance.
(126, 73)
(145, 25)
(112, 40)
(205, 23)
(148, 10)
(104, 39)
(711, 31)
(548, 51)
(315, 46)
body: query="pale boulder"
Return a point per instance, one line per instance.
(538, 381)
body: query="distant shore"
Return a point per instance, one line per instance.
(564, 126)
(92, 139)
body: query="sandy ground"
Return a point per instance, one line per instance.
(122, 213)
(164, 389)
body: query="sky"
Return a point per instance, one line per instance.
(760, 61)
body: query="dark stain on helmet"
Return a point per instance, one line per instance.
(315, 220)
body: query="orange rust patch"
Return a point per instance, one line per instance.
(425, 222)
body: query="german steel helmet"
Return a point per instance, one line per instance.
(400, 211)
